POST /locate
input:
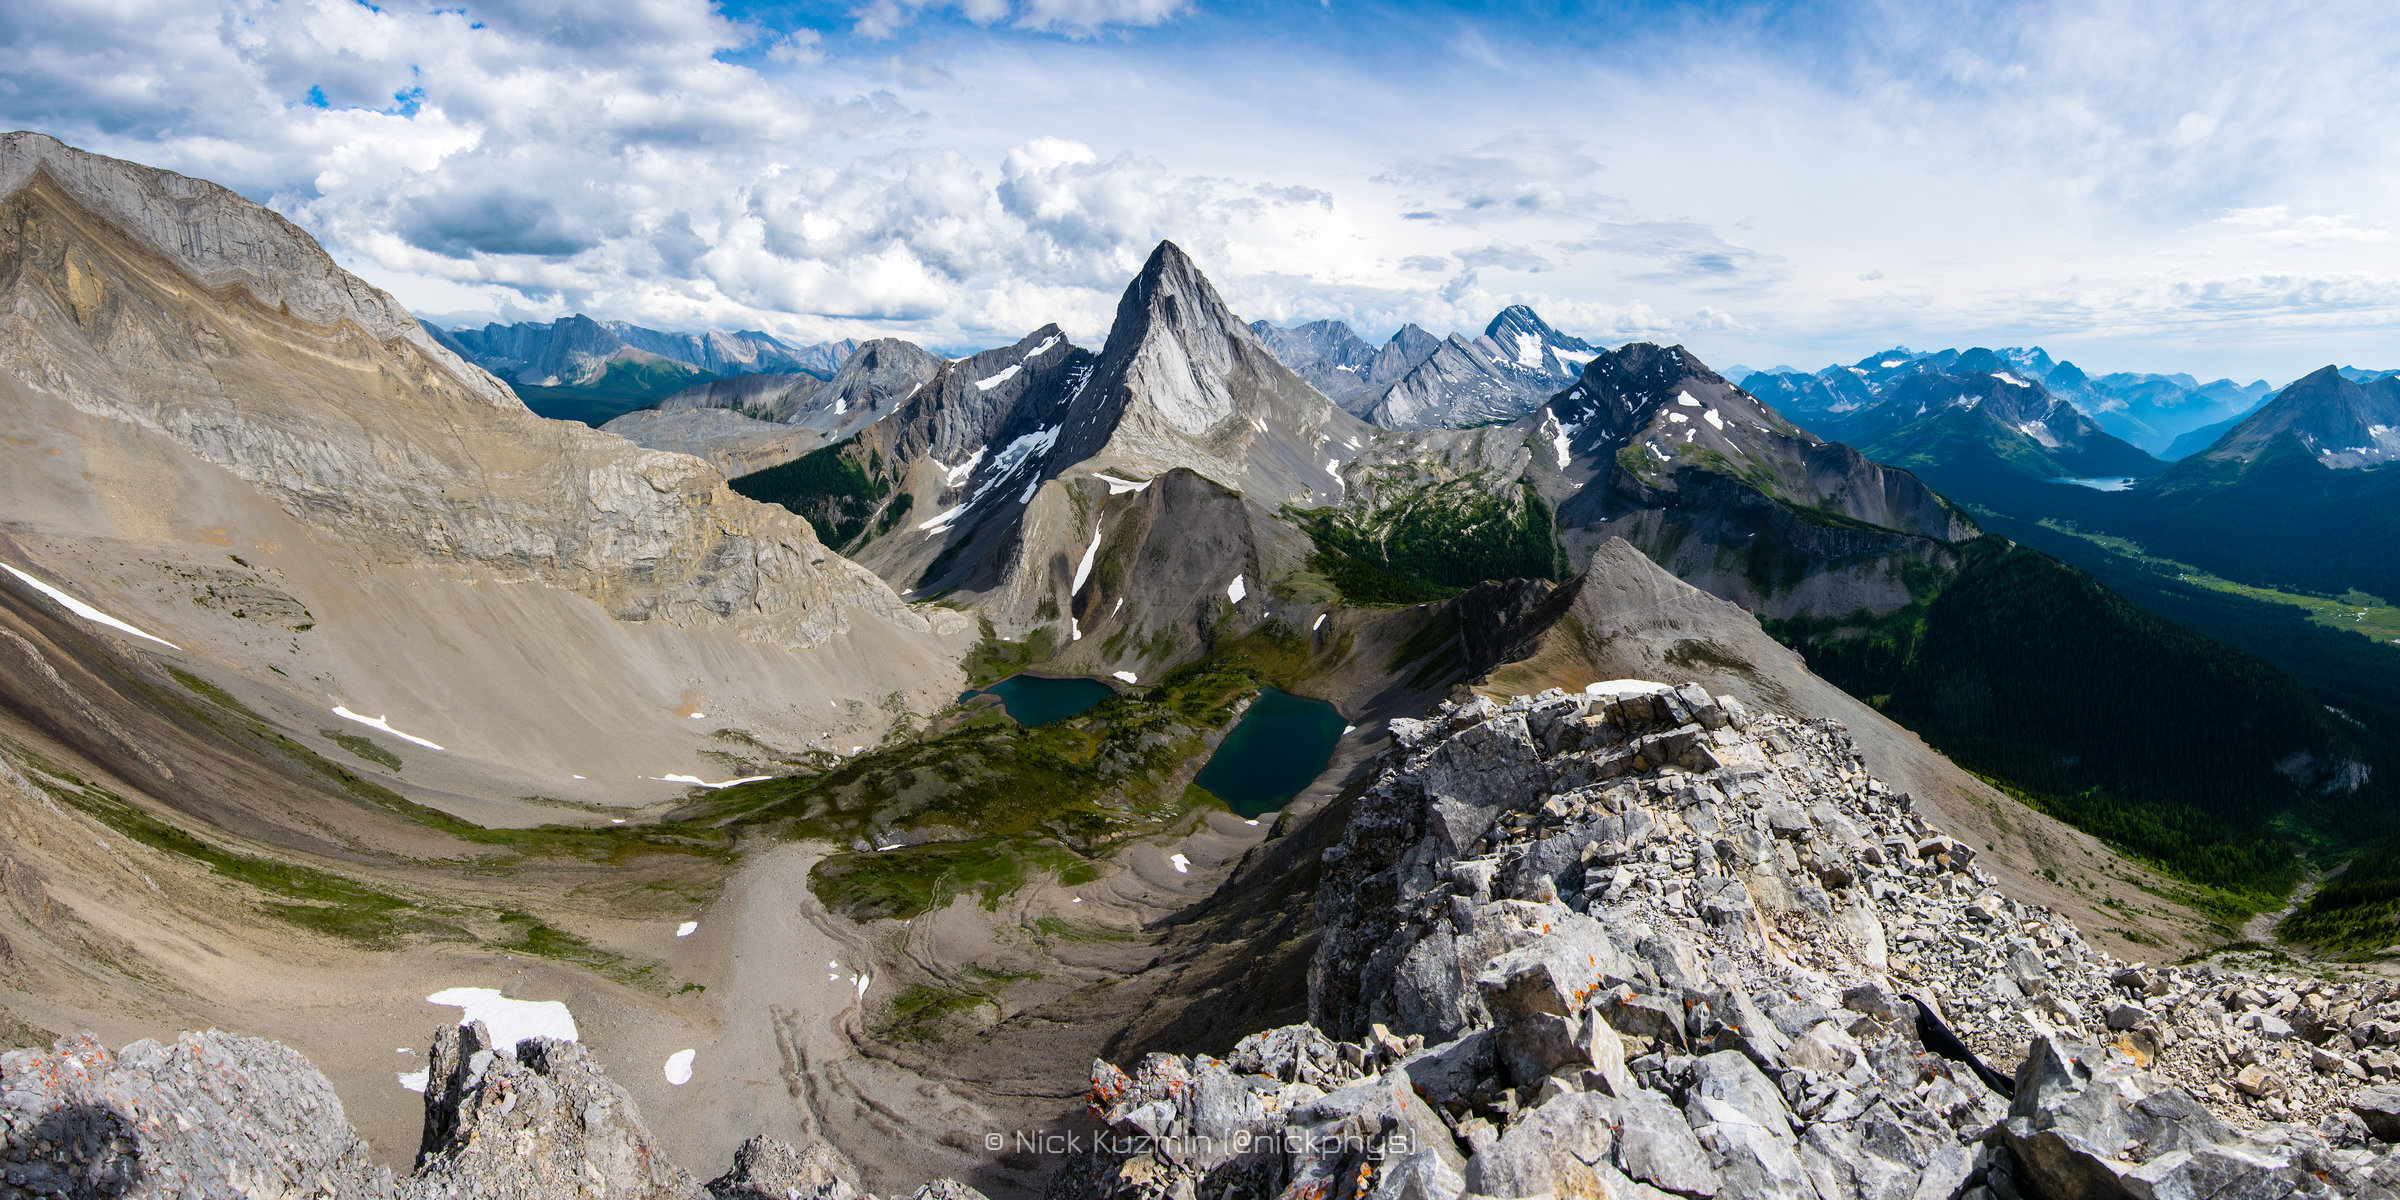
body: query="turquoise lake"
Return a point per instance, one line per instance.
(1278, 748)
(1034, 700)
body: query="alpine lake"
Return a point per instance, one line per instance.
(1279, 747)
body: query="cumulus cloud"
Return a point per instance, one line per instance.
(2117, 173)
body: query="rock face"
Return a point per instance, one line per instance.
(210, 1115)
(176, 307)
(732, 443)
(217, 1115)
(872, 379)
(223, 241)
(1651, 445)
(1516, 365)
(498, 1124)
(1641, 941)
(1328, 354)
(577, 349)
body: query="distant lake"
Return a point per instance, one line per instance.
(1278, 748)
(1034, 700)
(2105, 483)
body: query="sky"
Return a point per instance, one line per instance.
(2193, 186)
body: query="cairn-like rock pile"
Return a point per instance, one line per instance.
(216, 1115)
(1641, 943)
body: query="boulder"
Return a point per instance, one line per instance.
(2127, 1016)
(2087, 1123)
(1655, 1145)
(2379, 1107)
(1552, 1151)
(766, 1169)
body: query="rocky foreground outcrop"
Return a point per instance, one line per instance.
(215, 1115)
(1640, 944)
(1637, 944)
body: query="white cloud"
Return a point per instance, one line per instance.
(2275, 224)
(886, 18)
(2113, 176)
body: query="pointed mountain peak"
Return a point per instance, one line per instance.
(2330, 416)
(1172, 290)
(1646, 367)
(1517, 318)
(2324, 378)
(1178, 354)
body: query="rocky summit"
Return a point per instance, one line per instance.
(1635, 942)
(1640, 942)
(220, 1116)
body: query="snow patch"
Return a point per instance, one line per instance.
(1685, 400)
(1127, 676)
(509, 1021)
(954, 476)
(1118, 486)
(1074, 630)
(1678, 418)
(87, 612)
(1712, 418)
(415, 1081)
(679, 1067)
(1083, 570)
(696, 781)
(1616, 688)
(1025, 449)
(1887, 364)
(1042, 349)
(1006, 373)
(2009, 379)
(1026, 497)
(940, 522)
(384, 725)
(1320, 622)
(687, 929)
(1235, 591)
(1562, 435)
(1529, 350)
(1183, 866)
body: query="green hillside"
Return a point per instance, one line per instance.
(2196, 755)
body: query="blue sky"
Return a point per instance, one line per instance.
(2136, 186)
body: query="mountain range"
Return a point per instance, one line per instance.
(339, 690)
(576, 368)
(1418, 382)
(2156, 413)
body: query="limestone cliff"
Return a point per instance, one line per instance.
(177, 307)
